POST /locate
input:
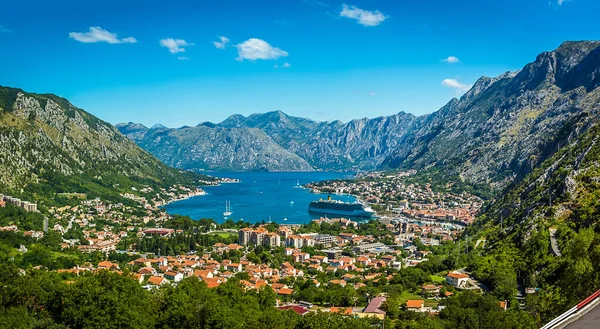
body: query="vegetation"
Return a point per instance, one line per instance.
(41, 299)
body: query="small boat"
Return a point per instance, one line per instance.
(291, 203)
(228, 211)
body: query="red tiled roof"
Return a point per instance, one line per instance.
(458, 275)
(415, 303)
(298, 309)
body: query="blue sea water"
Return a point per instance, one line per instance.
(259, 196)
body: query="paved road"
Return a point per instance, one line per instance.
(590, 320)
(554, 243)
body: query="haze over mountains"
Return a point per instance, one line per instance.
(502, 128)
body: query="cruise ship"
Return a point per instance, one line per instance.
(340, 208)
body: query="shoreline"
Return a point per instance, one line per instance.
(203, 193)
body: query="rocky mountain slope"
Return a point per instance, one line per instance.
(257, 141)
(208, 146)
(506, 126)
(498, 131)
(48, 145)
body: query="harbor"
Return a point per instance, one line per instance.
(259, 196)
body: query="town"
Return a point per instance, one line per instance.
(336, 265)
(391, 195)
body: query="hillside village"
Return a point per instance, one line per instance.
(336, 256)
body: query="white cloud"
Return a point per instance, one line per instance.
(371, 93)
(221, 44)
(182, 58)
(364, 17)
(451, 60)
(287, 64)
(98, 34)
(253, 49)
(459, 86)
(175, 45)
(129, 40)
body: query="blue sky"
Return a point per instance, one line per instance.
(164, 61)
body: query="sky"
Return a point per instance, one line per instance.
(185, 62)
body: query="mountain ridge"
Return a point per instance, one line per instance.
(499, 130)
(48, 145)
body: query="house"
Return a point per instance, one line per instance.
(295, 308)
(143, 262)
(203, 274)
(157, 280)
(213, 282)
(430, 290)
(174, 276)
(107, 265)
(137, 277)
(347, 236)
(285, 292)
(147, 271)
(348, 277)
(341, 310)
(300, 257)
(457, 279)
(320, 259)
(416, 305)
(338, 282)
(234, 267)
(374, 306)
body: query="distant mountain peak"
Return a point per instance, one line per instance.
(158, 126)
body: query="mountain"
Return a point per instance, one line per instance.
(212, 147)
(506, 126)
(254, 142)
(497, 132)
(48, 145)
(543, 231)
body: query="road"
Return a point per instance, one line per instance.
(590, 320)
(554, 243)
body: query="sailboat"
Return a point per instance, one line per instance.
(285, 218)
(228, 211)
(298, 184)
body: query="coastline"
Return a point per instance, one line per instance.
(202, 193)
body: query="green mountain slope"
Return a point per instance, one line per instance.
(47, 145)
(558, 202)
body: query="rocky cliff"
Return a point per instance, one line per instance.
(212, 147)
(506, 126)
